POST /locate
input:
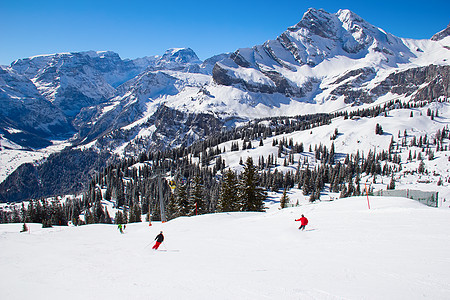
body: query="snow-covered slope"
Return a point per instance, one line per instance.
(396, 250)
(358, 135)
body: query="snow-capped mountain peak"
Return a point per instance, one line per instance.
(321, 45)
(178, 59)
(180, 55)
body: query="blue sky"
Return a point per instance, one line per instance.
(137, 28)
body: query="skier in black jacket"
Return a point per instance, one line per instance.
(159, 239)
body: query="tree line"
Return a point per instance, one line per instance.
(195, 179)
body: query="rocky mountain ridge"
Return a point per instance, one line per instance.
(323, 52)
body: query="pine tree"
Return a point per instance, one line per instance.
(171, 209)
(137, 212)
(89, 217)
(313, 197)
(307, 185)
(251, 196)
(108, 194)
(391, 185)
(332, 153)
(120, 195)
(107, 217)
(99, 214)
(378, 129)
(46, 224)
(421, 168)
(197, 196)
(284, 199)
(30, 214)
(228, 198)
(125, 216)
(181, 200)
(118, 218)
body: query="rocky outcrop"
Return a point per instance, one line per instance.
(280, 84)
(72, 81)
(274, 67)
(441, 34)
(26, 117)
(349, 86)
(424, 83)
(171, 128)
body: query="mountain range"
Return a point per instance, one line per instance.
(100, 102)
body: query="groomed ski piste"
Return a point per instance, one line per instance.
(397, 249)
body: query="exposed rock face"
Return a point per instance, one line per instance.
(26, 117)
(130, 105)
(278, 83)
(50, 95)
(274, 67)
(425, 83)
(183, 59)
(72, 81)
(168, 128)
(441, 34)
(349, 85)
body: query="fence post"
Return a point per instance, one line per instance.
(367, 193)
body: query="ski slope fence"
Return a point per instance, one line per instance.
(428, 198)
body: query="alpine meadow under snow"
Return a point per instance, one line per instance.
(230, 151)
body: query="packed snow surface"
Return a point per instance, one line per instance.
(399, 249)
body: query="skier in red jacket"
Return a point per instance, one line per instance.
(303, 222)
(159, 239)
